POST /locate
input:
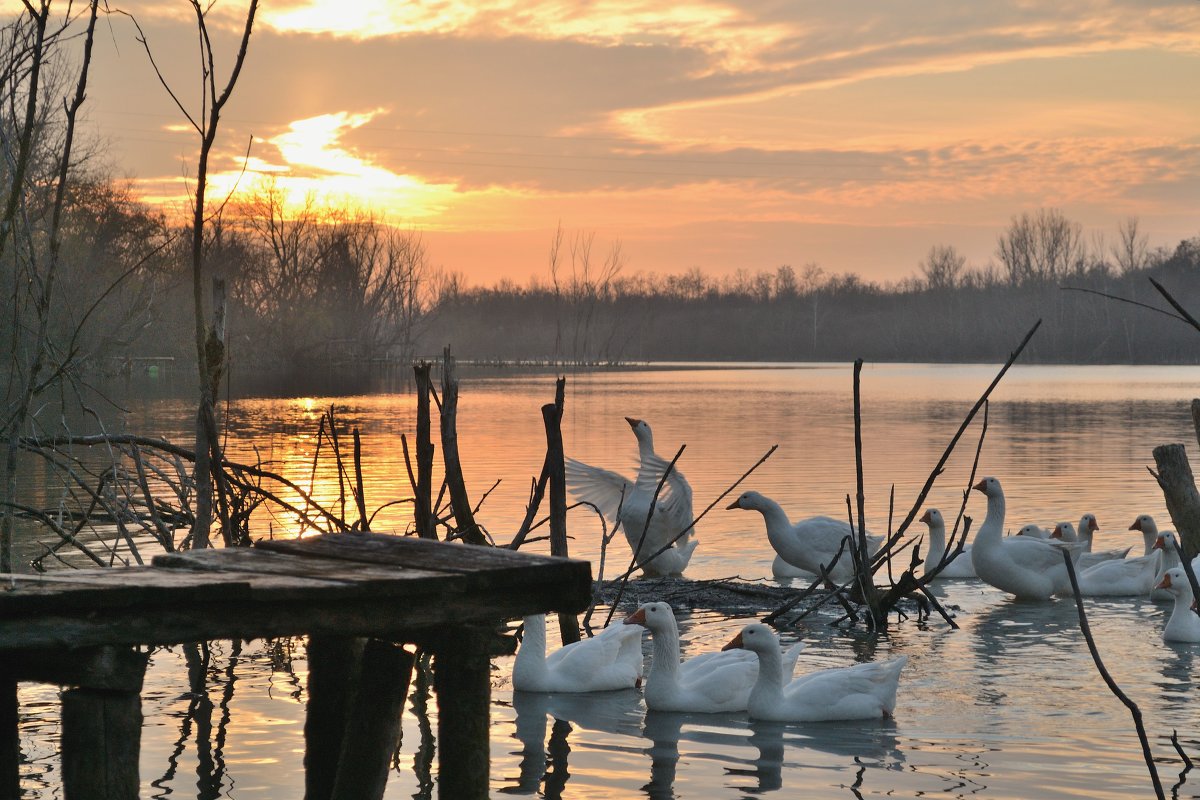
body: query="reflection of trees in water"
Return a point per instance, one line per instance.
(197, 722)
(423, 760)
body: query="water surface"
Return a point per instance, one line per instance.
(1009, 706)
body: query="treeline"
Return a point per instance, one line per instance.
(946, 312)
(313, 289)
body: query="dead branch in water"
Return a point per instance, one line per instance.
(1134, 711)
(880, 603)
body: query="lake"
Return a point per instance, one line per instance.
(1009, 706)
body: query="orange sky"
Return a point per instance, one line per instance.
(720, 135)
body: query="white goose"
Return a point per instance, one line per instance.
(810, 543)
(1029, 568)
(707, 683)
(1086, 559)
(862, 691)
(1033, 531)
(1146, 525)
(611, 492)
(612, 659)
(781, 569)
(960, 566)
(1120, 577)
(1184, 624)
(1166, 544)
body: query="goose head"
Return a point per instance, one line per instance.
(1030, 530)
(756, 637)
(990, 487)
(1174, 581)
(1144, 523)
(932, 517)
(1166, 542)
(1088, 524)
(1064, 531)
(748, 501)
(641, 429)
(658, 617)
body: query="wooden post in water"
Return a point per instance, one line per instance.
(333, 667)
(464, 516)
(462, 678)
(1179, 490)
(423, 511)
(101, 723)
(372, 729)
(568, 624)
(10, 737)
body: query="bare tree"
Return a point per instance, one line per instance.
(942, 267)
(1131, 251)
(30, 241)
(1041, 247)
(209, 339)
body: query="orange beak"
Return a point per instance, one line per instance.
(980, 486)
(1093, 525)
(1165, 583)
(733, 505)
(1057, 534)
(735, 644)
(924, 518)
(1159, 544)
(632, 422)
(636, 618)
(1136, 526)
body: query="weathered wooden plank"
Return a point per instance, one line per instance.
(86, 591)
(258, 561)
(486, 569)
(411, 551)
(297, 612)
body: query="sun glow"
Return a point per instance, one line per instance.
(314, 164)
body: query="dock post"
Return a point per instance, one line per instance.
(10, 737)
(101, 720)
(333, 668)
(372, 729)
(462, 676)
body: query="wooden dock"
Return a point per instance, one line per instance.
(358, 596)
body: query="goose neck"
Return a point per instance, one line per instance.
(937, 542)
(993, 522)
(768, 688)
(531, 657)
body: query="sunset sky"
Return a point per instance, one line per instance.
(719, 134)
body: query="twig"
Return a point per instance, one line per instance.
(1134, 711)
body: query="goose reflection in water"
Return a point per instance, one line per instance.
(725, 738)
(722, 735)
(610, 712)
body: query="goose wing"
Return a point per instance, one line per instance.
(602, 488)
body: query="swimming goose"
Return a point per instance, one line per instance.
(862, 691)
(1029, 568)
(610, 492)
(960, 566)
(707, 683)
(1120, 577)
(1146, 525)
(612, 659)
(1184, 624)
(810, 543)
(1065, 532)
